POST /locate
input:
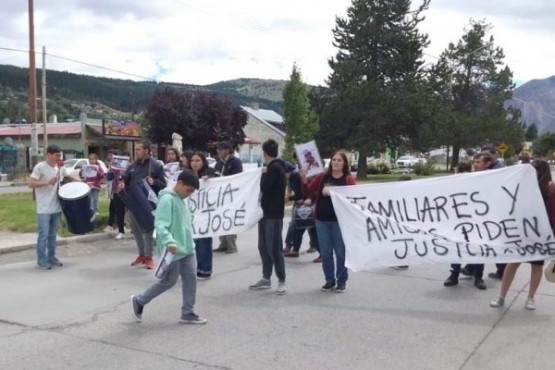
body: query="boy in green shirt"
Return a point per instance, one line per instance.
(174, 231)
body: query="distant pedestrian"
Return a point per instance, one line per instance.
(294, 237)
(93, 176)
(227, 165)
(45, 180)
(117, 207)
(174, 232)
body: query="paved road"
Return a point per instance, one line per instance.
(14, 189)
(78, 316)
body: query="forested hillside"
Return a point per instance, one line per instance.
(68, 93)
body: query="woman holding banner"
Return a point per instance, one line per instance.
(547, 189)
(327, 227)
(203, 246)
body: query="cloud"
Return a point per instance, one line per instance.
(205, 41)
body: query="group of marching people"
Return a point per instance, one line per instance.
(192, 257)
(174, 228)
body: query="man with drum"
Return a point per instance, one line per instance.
(45, 180)
(144, 168)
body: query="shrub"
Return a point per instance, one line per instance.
(379, 166)
(423, 169)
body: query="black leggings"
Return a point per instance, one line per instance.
(117, 211)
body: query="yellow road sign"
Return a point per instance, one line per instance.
(502, 147)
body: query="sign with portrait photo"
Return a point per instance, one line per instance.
(309, 158)
(119, 162)
(89, 171)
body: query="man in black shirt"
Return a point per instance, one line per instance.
(270, 242)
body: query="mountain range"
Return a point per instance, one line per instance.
(69, 94)
(536, 101)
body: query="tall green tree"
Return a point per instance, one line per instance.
(473, 83)
(376, 74)
(301, 122)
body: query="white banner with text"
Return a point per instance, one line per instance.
(226, 205)
(495, 216)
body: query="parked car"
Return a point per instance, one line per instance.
(74, 166)
(407, 161)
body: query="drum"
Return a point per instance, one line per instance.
(303, 216)
(140, 200)
(76, 206)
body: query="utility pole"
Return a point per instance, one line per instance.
(33, 87)
(44, 119)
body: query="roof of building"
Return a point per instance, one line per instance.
(65, 128)
(268, 117)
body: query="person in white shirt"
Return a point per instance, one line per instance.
(45, 179)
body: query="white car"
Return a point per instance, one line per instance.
(74, 166)
(407, 161)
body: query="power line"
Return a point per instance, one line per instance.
(85, 63)
(101, 67)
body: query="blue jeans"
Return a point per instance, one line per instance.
(330, 241)
(94, 199)
(203, 249)
(185, 268)
(48, 224)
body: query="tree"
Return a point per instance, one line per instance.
(473, 83)
(201, 119)
(531, 132)
(301, 122)
(375, 75)
(544, 145)
(14, 111)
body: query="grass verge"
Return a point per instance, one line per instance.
(18, 213)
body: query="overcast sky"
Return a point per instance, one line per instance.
(206, 41)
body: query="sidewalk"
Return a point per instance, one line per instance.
(15, 242)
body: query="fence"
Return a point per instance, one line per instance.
(8, 159)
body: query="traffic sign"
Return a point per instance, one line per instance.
(502, 147)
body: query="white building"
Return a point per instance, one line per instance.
(262, 124)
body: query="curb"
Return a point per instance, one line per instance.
(59, 241)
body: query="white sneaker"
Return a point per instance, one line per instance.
(108, 229)
(282, 289)
(119, 236)
(530, 304)
(497, 302)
